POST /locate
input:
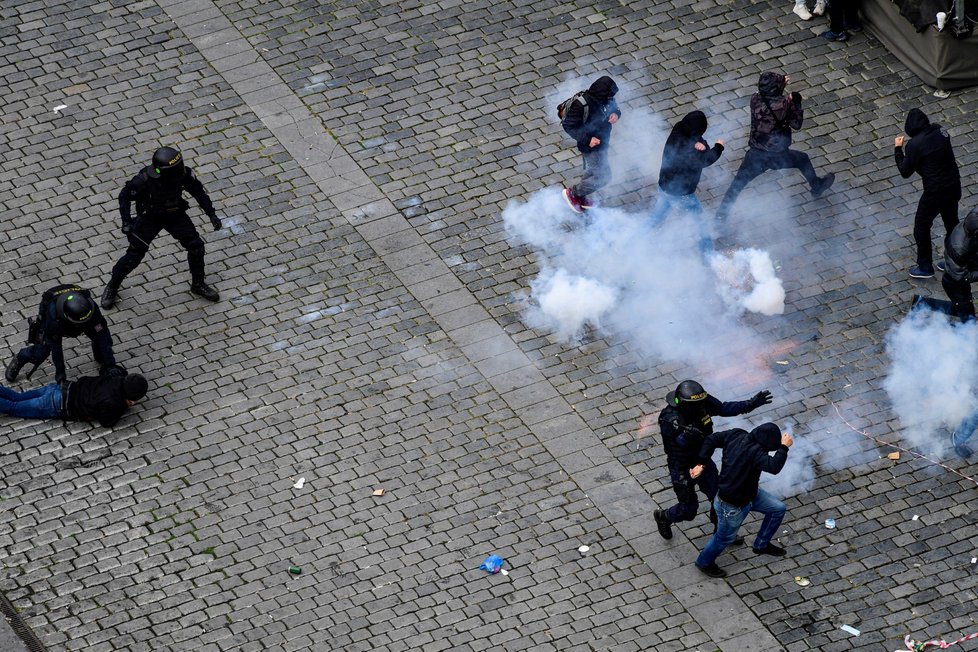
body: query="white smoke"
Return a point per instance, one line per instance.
(798, 474)
(749, 281)
(566, 302)
(933, 376)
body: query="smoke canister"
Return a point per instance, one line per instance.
(830, 523)
(295, 570)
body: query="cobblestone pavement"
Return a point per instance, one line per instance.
(370, 336)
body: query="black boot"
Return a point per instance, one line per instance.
(662, 522)
(201, 289)
(13, 369)
(110, 294)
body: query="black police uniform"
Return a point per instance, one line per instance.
(160, 206)
(52, 328)
(961, 266)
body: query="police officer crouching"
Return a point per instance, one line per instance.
(158, 193)
(66, 310)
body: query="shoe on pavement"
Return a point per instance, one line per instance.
(585, 203)
(858, 27)
(819, 9)
(109, 295)
(661, 522)
(963, 450)
(712, 570)
(921, 272)
(802, 12)
(738, 541)
(823, 184)
(940, 266)
(13, 369)
(770, 549)
(829, 35)
(205, 291)
(572, 201)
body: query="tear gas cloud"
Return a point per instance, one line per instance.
(932, 377)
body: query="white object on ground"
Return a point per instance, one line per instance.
(298, 485)
(583, 549)
(60, 107)
(851, 630)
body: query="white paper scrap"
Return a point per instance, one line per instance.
(298, 485)
(851, 630)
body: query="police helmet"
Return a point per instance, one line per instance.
(167, 164)
(74, 307)
(688, 391)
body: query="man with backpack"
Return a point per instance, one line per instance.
(588, 118)
(158, 192)
(772, 118)
(66, 310)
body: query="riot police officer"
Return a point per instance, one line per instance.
(66, 310)
(684, 423)
(961, 266)
(158, 193)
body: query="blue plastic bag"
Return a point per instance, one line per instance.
(493, 564)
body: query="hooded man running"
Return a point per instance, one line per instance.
(588, 119)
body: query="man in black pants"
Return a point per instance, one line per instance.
(843, 18)
(772, 118)
(66, 310)
(588, 119)
(684, 423)
(929, 153)
(961, 266)
(90, 398)
(158, 193)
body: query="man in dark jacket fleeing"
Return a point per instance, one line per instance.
(772, 118)
(745, 455)
(684, 423)
(929, 153)
(588, 119)
(685, 155)
(90, 398)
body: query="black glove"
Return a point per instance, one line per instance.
(759, 399)
(796, 98)
(60, 378)
(216, 222)
(113, 371)
(126, 226)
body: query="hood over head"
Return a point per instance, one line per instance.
(603, 89)
(771, 84)
(767, 435)
(916, 122)
(971, 222)
(693, 125)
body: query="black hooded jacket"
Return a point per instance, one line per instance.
(601, 104)
(95, 398)
(929, 154)
(683, 431)
(961, 250)
(745, 455)
(682, 163)
(772, 115)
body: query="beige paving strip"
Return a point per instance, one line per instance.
(713, 604)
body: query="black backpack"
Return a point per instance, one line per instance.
(565, 106)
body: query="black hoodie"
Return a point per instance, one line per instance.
(745, 455)
(601, 104)
(929, 154)
(961, 250)
(682, 163)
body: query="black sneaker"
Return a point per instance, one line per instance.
(203, 290)
(109, 295)
(823, 184)
(13, 369)
(829, 35)
(712, 570)
(940, 266)
(919, 271)
(665, 527)
(770, 549)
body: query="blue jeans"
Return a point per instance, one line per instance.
(729, 518)
(688, 204)
(41, 403)
(965, 429)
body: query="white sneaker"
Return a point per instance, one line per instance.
(819, 9)
(802, 12)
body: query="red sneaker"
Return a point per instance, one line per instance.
(585, 203)
(572, 201)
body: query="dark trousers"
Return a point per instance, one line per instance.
(597, 174)
(930, 206)
(147, 227)
(756, 162)
(959, 292)
(685, 488)
(38, 353)
(843, 15)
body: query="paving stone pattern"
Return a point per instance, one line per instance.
(369, 335)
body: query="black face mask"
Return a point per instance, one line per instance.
(693, 412)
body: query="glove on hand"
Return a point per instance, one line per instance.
(126, 227)
(216, 222)
(113, 371)
(759, 399)
(60, 378)
(796, 98)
